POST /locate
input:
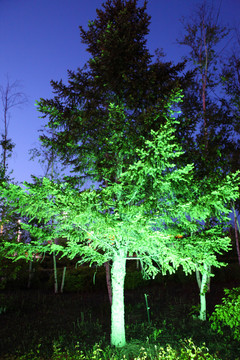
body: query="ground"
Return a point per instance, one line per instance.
(36, 317)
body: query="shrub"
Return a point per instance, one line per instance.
(188, 350)
(227, 313)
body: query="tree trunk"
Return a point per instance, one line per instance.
(198, 279)
(63, 278)
(236, 233)
(30, 273)
(108, 280)
(203, 290)
(55, 274)
(118, 273)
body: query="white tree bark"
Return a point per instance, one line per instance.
(203, 290)
(118, 273)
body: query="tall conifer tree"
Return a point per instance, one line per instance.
(120, 70)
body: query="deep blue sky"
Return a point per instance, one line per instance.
(39, 41)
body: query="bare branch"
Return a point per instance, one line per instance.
(10, 97)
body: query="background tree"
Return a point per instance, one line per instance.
(153, 200)
(49, 160)
(207, 132)
(207, 121)
(230, 78)
(11, 97)
(53, 170)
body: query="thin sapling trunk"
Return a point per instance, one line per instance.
(55, 274)
(63, 278)
(236, 227)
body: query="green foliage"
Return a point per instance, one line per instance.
(122, 71)
(153, 200)
(231, 83)
(136, 351)
(141, 212)
(188, 351)
(227, 313)
(12, 273)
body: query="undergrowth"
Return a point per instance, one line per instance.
(38, 325)
(133, 351)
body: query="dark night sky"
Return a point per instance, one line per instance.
(39, 41)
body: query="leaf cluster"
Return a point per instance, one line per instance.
(227, 313)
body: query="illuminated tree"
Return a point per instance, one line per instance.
(120, 70)
(141, 214)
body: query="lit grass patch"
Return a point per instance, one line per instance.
(135, 350)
